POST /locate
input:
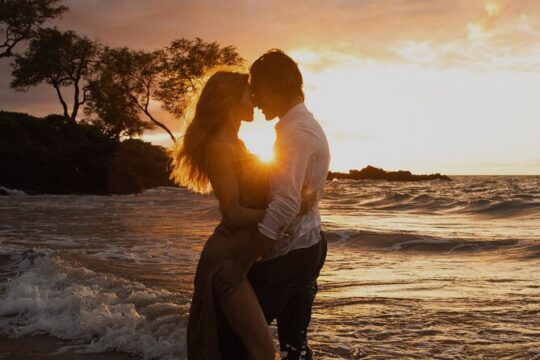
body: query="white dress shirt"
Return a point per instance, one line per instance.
(301, 164)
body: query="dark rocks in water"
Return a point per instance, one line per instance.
(53, 156)
(373, 173)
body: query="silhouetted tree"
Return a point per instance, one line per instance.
(52, 155)
(60, 59)
(123, 84)
(117, 114)
(169, 76)
(21, 19)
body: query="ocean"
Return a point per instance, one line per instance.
(415, 270)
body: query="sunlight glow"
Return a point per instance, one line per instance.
(264, 154)
(423, 118)
(259, 137)
(414, 116)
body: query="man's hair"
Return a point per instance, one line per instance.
(278, 72)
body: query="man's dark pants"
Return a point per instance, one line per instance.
(286, 287)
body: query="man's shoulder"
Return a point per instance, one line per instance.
(302, 125)
(306, 124)
(301, 119)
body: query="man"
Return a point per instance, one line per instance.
(285, 257)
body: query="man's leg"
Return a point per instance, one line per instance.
(293, 322)
(286, 287)
(294, 318)
(264, 289)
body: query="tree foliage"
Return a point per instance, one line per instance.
(118, 85)
(169, 76)
(21, 19)
(186, 62)
(123, 83)
(61, 59)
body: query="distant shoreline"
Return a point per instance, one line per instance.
(373, 173)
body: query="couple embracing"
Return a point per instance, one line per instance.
(263, 259)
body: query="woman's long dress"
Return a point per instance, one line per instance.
(205, 320)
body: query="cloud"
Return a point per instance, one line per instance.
(485, 25)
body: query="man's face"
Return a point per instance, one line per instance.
(265, 100)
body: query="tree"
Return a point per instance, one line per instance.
(130, 78)
(60, 59)
(21, 19)
(169, 76)
(117, 114)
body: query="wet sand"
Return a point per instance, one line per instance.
(45, 347)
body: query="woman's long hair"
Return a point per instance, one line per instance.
(222, 91)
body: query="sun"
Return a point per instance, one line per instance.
(264, 154)
(259, 137)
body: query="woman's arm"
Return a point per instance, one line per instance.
(243, 217)
(220, 167)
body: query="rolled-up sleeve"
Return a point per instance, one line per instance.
(293, 152)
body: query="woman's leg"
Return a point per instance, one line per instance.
(243, 313)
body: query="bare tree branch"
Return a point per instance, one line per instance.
(64, 105)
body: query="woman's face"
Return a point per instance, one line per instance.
(244, 110)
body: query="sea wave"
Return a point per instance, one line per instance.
(100, 312)
(433, 202)
(410, 242)
(505, 208)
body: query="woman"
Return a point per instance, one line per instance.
(212, 157)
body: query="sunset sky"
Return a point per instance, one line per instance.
(450, 86)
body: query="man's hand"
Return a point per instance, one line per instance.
(229, 274)
(309, 199)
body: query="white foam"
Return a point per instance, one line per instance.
(430, 241)
(12, 191)
(106, 313)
